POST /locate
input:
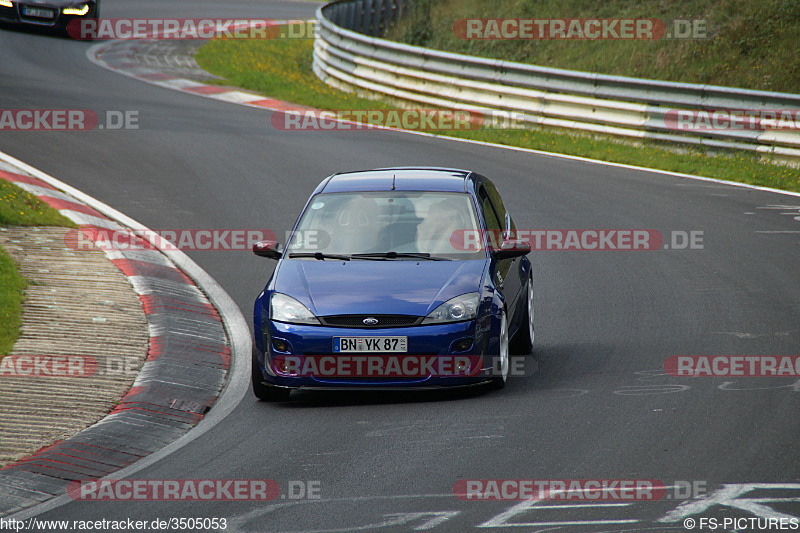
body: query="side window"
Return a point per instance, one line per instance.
(495, 229)
(492, 220)
(497, 202)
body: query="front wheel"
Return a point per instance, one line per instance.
(264, 392)
(523, 340)
(499, 381)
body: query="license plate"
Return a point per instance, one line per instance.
(370, 344)
(37, 12)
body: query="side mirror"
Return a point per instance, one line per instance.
(511, 249)
(269, 249)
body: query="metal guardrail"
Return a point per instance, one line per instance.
(368, 17)
(349, 54)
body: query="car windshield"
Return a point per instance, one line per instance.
(391, 225)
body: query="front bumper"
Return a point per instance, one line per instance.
(431, 341)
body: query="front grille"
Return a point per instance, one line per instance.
(357, 321)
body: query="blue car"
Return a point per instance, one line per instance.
(395, 278)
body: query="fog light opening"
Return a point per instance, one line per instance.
(279, 364)
(462, 345)
(280, 345)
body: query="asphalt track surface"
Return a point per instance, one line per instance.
(594, 402)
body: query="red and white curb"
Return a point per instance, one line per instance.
(120, 56)
(188, 360)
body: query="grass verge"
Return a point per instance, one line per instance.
(745, 44)
(12, 292)
(282, 69)
(18, 208)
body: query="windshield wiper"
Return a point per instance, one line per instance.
(319, 256)
(395, 255)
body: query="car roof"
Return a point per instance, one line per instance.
(400, 179)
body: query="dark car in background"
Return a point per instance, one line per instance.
(47, 14)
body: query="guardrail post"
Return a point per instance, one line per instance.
(369, 14)
(351, 15)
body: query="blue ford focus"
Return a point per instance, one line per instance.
(397, 278)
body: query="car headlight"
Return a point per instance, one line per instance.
(6, 3)
(464, 307)
(76, 10)
(284, 308)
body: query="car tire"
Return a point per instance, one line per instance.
(523, 340)
(499, 381)
(264, 392)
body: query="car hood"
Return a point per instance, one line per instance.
(377, 287)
